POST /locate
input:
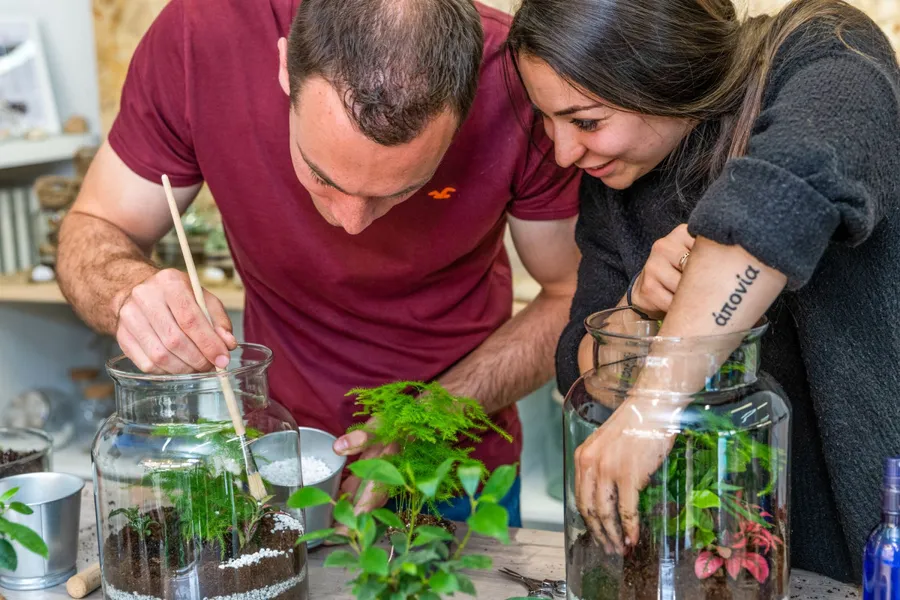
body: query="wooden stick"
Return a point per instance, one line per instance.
(254, 479)
(84, 582)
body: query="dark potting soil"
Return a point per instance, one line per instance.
(163, 565)
(23, 465)
(598, 575)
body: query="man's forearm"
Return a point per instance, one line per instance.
(516, 359)
(98, 265)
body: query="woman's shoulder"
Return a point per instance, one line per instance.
(828, 38)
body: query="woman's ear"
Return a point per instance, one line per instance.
(283, 77)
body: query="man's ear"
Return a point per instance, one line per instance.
(283, 77)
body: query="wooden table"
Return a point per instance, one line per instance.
(535, 553)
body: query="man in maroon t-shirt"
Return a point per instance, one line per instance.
(365, 187)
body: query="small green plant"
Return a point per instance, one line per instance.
(424, 566)
(139, 522)
(431, 426)
(15, 532)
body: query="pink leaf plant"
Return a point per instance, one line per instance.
(734, 554)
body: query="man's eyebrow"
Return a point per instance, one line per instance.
(321, 175)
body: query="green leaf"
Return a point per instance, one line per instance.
(727, 487)
(7, 496)
(476, 561)
(26, 537)
(375, 561)
(379, 470)
(343, 514)
(315, 536)
(702, 539)
(338, 539)
(491, 520)
(430, 486)
(410, 569)
(342, 558)
(8, 558)
(705, 499)
(20, 508)
(399, 542)
(308, 497)
(389, 518)
(470, 476)
(499, 484)
(422, 557)
(444, 583)
(368, 528)
(465, 585)
(370, 590)
(428, 533)
(430, 596)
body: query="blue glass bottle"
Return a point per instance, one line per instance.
(881, 559)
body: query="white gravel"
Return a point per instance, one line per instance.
(266, 593)
(284, 472)
(251, 559)
(284, 521)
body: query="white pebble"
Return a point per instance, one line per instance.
(271, 591)
(251, 559)
(284, 472)
(284, 522)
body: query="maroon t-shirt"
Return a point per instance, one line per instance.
(406, 299)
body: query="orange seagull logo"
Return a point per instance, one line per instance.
(444, 194)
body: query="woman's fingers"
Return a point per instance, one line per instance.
(628, 512)
(606, 500)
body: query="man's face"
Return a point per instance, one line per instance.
(352, 179)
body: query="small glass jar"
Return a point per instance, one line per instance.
(24, 450)
(174, 512)
(713, 517)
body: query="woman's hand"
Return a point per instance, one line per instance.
(612, 467)
(658, 281)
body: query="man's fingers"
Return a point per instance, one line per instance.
(193, 322)
(351, 443)
(607, 505)
(221, 321)
(628, 512)
(350, 486)
(370, 499)
(133, 320)
(132, 350)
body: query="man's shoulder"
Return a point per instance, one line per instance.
(496, 24)
(236, 21)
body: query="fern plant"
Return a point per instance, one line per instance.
(431, 426)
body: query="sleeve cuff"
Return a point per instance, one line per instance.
(771, 213)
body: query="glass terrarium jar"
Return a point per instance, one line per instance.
(713, 519)
(175, 516)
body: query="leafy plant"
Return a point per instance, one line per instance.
(430, 425)
(16, 532)
(139, 522)
(422, 566)
(737, 552)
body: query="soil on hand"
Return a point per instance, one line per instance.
(25, 462)
(636, 576)
(162, 564)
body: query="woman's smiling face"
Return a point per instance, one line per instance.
(616, 146)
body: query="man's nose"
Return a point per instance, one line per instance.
(353, 214)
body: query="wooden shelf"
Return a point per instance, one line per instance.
(22, 153)
(17, 288)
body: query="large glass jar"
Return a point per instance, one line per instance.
(713, 518)
(175, 516)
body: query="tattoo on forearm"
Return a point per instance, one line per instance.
(729, 308)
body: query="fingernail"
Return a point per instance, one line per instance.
(222, 361)
(341, 445)
(627, 541)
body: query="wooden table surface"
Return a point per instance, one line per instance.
(534, 553)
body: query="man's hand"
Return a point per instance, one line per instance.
(359, 443)
(162, 329)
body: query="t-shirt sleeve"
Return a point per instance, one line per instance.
(822, 161)
(602, 279)
(544, 191)
(152, 133)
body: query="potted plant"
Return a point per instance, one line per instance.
(423, 567)
(696, 511)
(15, 532)
(201, 534)
(432, 428)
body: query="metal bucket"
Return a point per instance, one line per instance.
(55, 499)
(320, 444)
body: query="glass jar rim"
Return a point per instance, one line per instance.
(37, 434)
(753, 333)
(124, 375)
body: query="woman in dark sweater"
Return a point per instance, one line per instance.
(776, 141)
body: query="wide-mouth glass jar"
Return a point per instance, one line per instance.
(713, 518)
(175, 515)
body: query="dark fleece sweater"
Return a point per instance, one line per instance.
(818, 198)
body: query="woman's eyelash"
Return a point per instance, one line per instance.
(319, 180)
(586, 125)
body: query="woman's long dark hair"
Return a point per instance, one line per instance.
(692, 59)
